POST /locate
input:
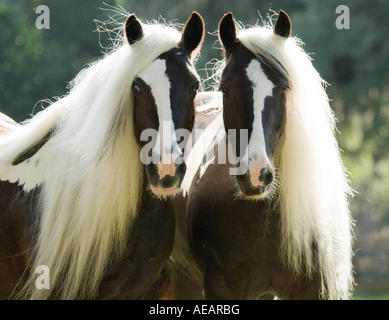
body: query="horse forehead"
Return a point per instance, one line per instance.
(262, 88)
(258, 77)
(155, 72)
(178, 65)
(237, 61)
(170, 67)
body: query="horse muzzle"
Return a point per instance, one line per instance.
(166, 176)
(256, 182)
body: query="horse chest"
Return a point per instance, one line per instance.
(16, 221)
(227, 227)
(148, 249)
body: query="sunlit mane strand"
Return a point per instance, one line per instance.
(90, 170)
(313, 188)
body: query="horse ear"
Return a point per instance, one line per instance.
(193, 34)
(227, 32)
(283, 25)
(133, 29)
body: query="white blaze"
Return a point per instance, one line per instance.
(155, 76)
(262, 87)
(257, 156)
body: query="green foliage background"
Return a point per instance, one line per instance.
(38, 64)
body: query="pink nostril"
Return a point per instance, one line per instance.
(260, 174)
(167, 166)
(166, 169)
(266, 176)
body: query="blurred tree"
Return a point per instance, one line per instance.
(38, 64)
(20, 48)
(355, 63)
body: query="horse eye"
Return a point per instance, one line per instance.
(284, 90)
(136, 87)
(224, 90)
(195, 88)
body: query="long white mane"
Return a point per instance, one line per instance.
(313, 187)
(89, 170)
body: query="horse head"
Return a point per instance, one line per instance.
(254, 99)
(164, 94)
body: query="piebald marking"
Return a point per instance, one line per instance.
(257, 155)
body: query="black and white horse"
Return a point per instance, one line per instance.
(276, 222)
(75, 198)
